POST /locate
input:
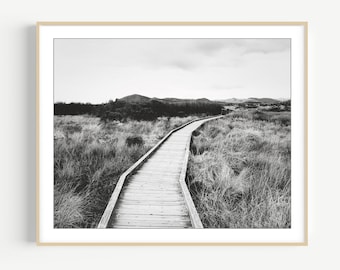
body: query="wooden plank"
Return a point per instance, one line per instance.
(147, 215)
(172, 218)
(151, 191)
(174, 145)
(149, 187)
(155, 173)
(155, 183)
(167, 154)
(151, 196)
(171, 151)
(168, 159)
(152, 187)
(138, 193)
(163, 164)
(142, 216)
(151, 223)
(156, 192)
(164, 158)
(150, 208)
(162, 174)
(150, 176)
(164, 155)
(169, 219)
(151, 212)
(158, 162)
(154, 205)
(155, 201)
(157, 178)
(149, 227)
(167, 168)
(177, 147)
(140, 185)
(154, 196)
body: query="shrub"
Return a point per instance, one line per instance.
(111, 116)
(134, 140)
(71, 128)
(213, 131)
(283, 120)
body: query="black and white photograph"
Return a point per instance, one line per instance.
(187, 133)
(172, 133)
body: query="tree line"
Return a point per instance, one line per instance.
(121, 110)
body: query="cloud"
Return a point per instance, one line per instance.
(266, 46)
(210, 47)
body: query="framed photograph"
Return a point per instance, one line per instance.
(172, 133)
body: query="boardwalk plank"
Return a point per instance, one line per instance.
(153, 211)
(150, 227)
(173, 218)
(151, 223)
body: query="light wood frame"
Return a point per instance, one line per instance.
(305, 79)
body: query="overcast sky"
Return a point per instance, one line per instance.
(97, 70)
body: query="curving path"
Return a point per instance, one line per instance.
(154, 195)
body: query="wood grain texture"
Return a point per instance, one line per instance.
(152, 193)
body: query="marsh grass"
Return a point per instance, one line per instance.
(89, 157)
(239, 171)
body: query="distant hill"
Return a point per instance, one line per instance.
(135, 99)
(265, 100)
(169, 99)
(178, 100)
(203, 100)
(251, 100)
(143, 99)
(231, 100)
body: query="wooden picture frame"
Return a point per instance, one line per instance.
(47, 234)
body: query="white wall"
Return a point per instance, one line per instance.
(17, 136)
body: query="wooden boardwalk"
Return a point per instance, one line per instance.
(153, 194)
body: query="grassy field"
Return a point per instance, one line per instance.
(89, 157)
(239, 172)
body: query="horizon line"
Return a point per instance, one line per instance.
(114, 99)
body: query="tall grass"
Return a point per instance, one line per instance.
(239, 171)
(89, 157)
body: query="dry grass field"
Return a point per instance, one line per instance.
(239, 171)
(89, 157)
